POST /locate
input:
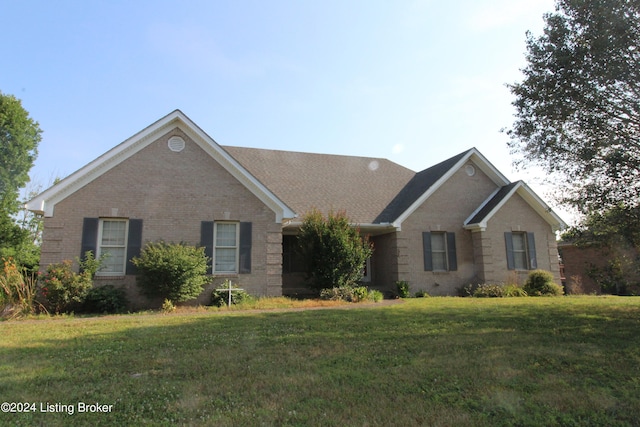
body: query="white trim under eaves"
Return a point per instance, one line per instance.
(474, 156)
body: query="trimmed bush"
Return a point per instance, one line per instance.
(175, 271)
(422, 294)
(541, 283)
(105, 299)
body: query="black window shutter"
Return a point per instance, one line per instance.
(531, 242)
(426, 247)
(134, 244)
(206, 240)
(451, 252)
(508, 240)
(89, 240)
(245, 247)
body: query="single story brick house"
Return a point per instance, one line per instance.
(458, 222)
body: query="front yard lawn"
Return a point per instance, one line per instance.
(567, 361)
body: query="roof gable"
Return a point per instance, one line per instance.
(45, 202)
(428, 181)
(478, 220)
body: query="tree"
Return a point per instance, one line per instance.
(578, 107)
(333, 250)
(19, 138)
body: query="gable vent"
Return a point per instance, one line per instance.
(176, 144)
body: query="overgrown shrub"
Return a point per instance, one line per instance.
(403, 289)
(105, 299)
(541, 283)
(351, 294)
(220, 298)
(18, 290)
(333, 250)
(63, 288)
(174, 271)
(488, 290)
(468, 290)
(360, 293)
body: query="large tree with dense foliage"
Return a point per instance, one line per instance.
(578, 106)
(19, 138)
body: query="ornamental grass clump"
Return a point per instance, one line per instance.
(18, 291)
(173, 271)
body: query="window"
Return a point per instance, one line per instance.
(112, 243)
(228, 244)
(439, 251)
(225, 251)
(521, 250)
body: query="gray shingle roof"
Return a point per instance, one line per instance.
(416, 187)
(370, 190)
(492, 203)
(361, 186)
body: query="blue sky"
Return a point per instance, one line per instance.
(412, 81)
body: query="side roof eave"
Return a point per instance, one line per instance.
(472, 155)
(45, 202)
(475, 223)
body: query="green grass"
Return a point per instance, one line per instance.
(571, 361)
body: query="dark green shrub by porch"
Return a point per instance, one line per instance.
(334, 251)
(174, 271)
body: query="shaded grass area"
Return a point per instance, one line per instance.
(435, 361)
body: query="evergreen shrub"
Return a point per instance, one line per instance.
(175, 271)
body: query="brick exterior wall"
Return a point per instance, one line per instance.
(445, 210)
(577, 263)
(481, 256)
(517, 215)
(172, 192)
